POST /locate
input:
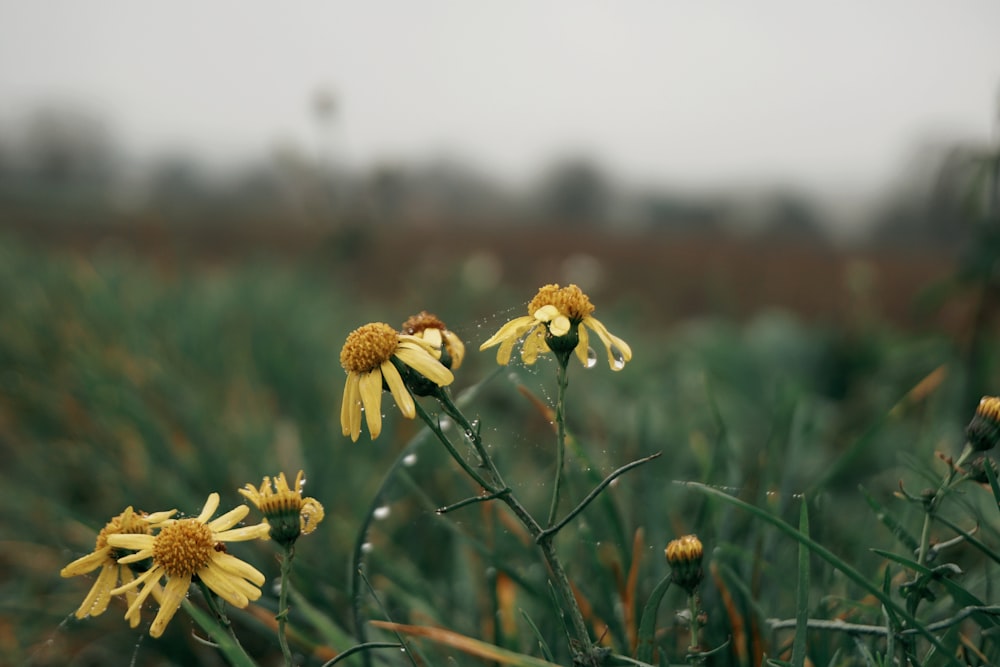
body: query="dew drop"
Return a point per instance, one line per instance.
(591, 358)
(367, 547)
(410, 460)
(618, 361)
(381, 512)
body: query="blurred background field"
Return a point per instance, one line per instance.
(811, 306)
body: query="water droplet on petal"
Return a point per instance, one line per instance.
(381, 512)
(618, 362)
(591, 358)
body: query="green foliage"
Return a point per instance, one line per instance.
(124, 384)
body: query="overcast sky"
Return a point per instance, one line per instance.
(825, 95)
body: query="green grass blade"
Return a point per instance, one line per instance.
(331, 633)
(802, 595)
(833, 560)
(647, 625)
(542, 644)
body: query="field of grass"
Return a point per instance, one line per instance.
(126, 384)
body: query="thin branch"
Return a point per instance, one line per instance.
(470, 501)
(552, 530)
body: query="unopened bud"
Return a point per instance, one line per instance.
(983, 432)
(684, 557)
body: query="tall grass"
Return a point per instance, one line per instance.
(122, 384)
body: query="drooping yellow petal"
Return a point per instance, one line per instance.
(371, 398)
(399, 391)
(223, 585)
(513, 329)
(534, 343)
(433, 336)
(505, 350)
(582, 349)
(173, 594)
(144, 582)
(130, 595)
(426, 365)
(457, 349)
(611, 343)
(350, 410)
(237, 567)
(87, 563)
(99, 596)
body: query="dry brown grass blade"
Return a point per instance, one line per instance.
(739, 642)
(465, 644)
(628, 596)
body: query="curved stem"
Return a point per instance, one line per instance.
(563, 382)
(435, 427)
(282, 617)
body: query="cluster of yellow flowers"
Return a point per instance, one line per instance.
(158, 546)
(136, 551)
(422, 356)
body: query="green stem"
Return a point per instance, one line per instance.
(282, 617)
(563, 381)
(472, 431)
(435, 428)
(220, 615)
(560, 579)
(931, 506)
(694, 650)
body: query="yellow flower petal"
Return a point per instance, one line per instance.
(559, 326)
(96, 602)
(582, 349)
(229, 519)
(426, 365)
(350, 411)
(371, 399)
(510, 331)
(173, 594)
(86, 564)
(533, 344)
(546, 313)
(208, 510)
(611, 343)
(399, 391)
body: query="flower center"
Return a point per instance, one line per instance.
(569, 300)
(128, 522)
(183, 547)
(419, 322)
(368, 347)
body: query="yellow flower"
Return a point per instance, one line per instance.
(428, 327)
(374, 356)
(106, 557)
(285, 510)
(557, 320)
(185, 548)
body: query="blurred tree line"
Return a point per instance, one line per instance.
(63, 165)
